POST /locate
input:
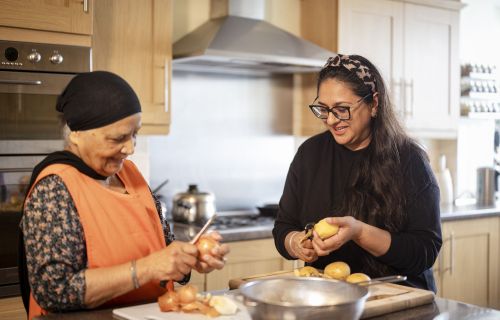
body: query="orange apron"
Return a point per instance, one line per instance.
(118, 227)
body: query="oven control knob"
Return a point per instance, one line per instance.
(57, 58)
(34, 57)
(11, 54)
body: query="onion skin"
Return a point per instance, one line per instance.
(187, 294)
(169, 301)
(205, 245)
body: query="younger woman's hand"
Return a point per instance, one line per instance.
(349, 229)
(302, 250)
(215, 259)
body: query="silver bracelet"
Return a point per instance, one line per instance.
(290, 244)
(133, 271)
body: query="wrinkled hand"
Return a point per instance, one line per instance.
(216, 259)
(349, 229)
(173, 262)
(304, 251)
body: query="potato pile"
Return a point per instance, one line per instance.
(338, 270)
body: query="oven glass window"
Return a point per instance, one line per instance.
(29, 116)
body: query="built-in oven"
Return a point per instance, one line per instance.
(32, 75)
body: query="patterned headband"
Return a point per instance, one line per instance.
(362, 71)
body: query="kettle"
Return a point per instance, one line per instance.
(193, 206)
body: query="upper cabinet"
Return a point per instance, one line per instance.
(415, 46)
(69, 16)
(416, 49)
(133, 39)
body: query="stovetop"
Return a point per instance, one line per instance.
(233, 226)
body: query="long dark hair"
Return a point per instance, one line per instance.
(374, 193)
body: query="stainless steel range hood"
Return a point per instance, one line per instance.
(241, 45)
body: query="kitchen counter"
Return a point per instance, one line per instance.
(452, 212)
(440, 309)
(186, 232)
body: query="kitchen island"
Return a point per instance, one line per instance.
(440, 309)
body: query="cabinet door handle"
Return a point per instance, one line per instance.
(408, 107)
(166, 98)
(86, 6)
(441, 268)
(452, 237)
(411, 97)
(21, 82)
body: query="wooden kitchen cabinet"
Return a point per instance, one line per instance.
(69, 16)
(417, 50)
(467, 268)
(12, 308)
(414, 45)
(133, 39)
(245, 258)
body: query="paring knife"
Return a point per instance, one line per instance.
(170, 284)
(202, 231)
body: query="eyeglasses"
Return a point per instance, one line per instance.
(342, 112)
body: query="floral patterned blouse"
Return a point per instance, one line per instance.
(56, 253)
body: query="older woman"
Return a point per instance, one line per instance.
(365, 175)
(93, 232)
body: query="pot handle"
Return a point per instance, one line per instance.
(389, 279)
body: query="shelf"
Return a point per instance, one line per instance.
(483, 115)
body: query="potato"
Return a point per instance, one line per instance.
(338, 270)
(357, 277)
(325, 230)
(306, 271)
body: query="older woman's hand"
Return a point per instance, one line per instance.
(349, 229)
(173, 262)
(216, 259)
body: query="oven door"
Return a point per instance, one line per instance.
(27, 105)
(15, 173)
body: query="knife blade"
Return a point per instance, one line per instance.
(203, 229)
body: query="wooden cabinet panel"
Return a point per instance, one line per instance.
(133, 39)
(71, 16)
(12, 309)
(360, 21)
(246, 258)
(415, 49)
(467, 268)
(431, 66)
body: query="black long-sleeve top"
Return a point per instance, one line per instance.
(314, 186)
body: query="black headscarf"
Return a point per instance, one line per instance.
(91, 100)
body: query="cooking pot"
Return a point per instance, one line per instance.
(294, 298)
(193, 206)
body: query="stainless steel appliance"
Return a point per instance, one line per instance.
(193, 206)
(232, 225)
(32, 75)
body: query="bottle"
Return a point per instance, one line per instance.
(443, 177)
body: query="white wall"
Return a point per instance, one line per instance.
(480, 31)
(479, 43)
(230, 134)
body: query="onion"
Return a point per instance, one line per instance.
(187, 294)
(205, 245)
(169, 301)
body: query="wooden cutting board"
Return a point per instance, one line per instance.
(384, 298)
